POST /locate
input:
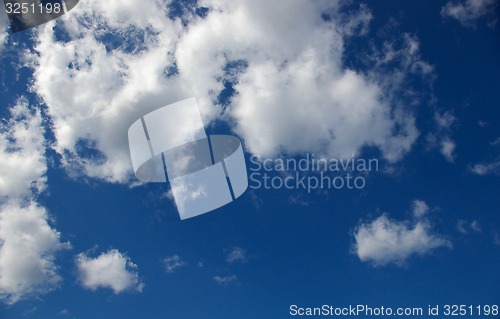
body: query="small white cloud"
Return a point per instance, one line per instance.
(444, 120)
(464, 226)
(496, 141)
(172, 263)
(475, 226)
(420, 208)
(441, 138)
(496, 238)
(226, 280)
(64, 312)
(482, 124)
(448, 149)
(109, 270)
(486, 168)
(236, 254)
(384, 241)
(467, 12)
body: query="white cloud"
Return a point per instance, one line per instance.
(225, 280)
(441, 138)
(22, 153)
(448, 149)
(94, 92)
(292, 96)
(468, 11)
(486, 168)
(28, 245)
(491, 167)
(109, 270)
(384, 241)
(27, 242)
(464, 226)
(172, 263)
(236, 254)
(444, 120)
(475, 226)
(420, 208)
(3, 30)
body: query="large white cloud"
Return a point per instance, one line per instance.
(285, 62)
(294, 93)
(384, 241)
(109, 270)
(95, 91)
(27, 242)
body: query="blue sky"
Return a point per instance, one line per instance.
(412, 85)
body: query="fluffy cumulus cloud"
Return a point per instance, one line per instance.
(284, 62)
(384, 241)
(468, 11)
(294, 93)
(95, 88)
(27, 242)
(109, 270)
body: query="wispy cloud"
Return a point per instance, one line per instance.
(236, 254)
(486, 168)
(172, 263)
(464, 226)
(441, 139)
(420, 208)
(468, 11)
(496, 238)
(226, 280)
